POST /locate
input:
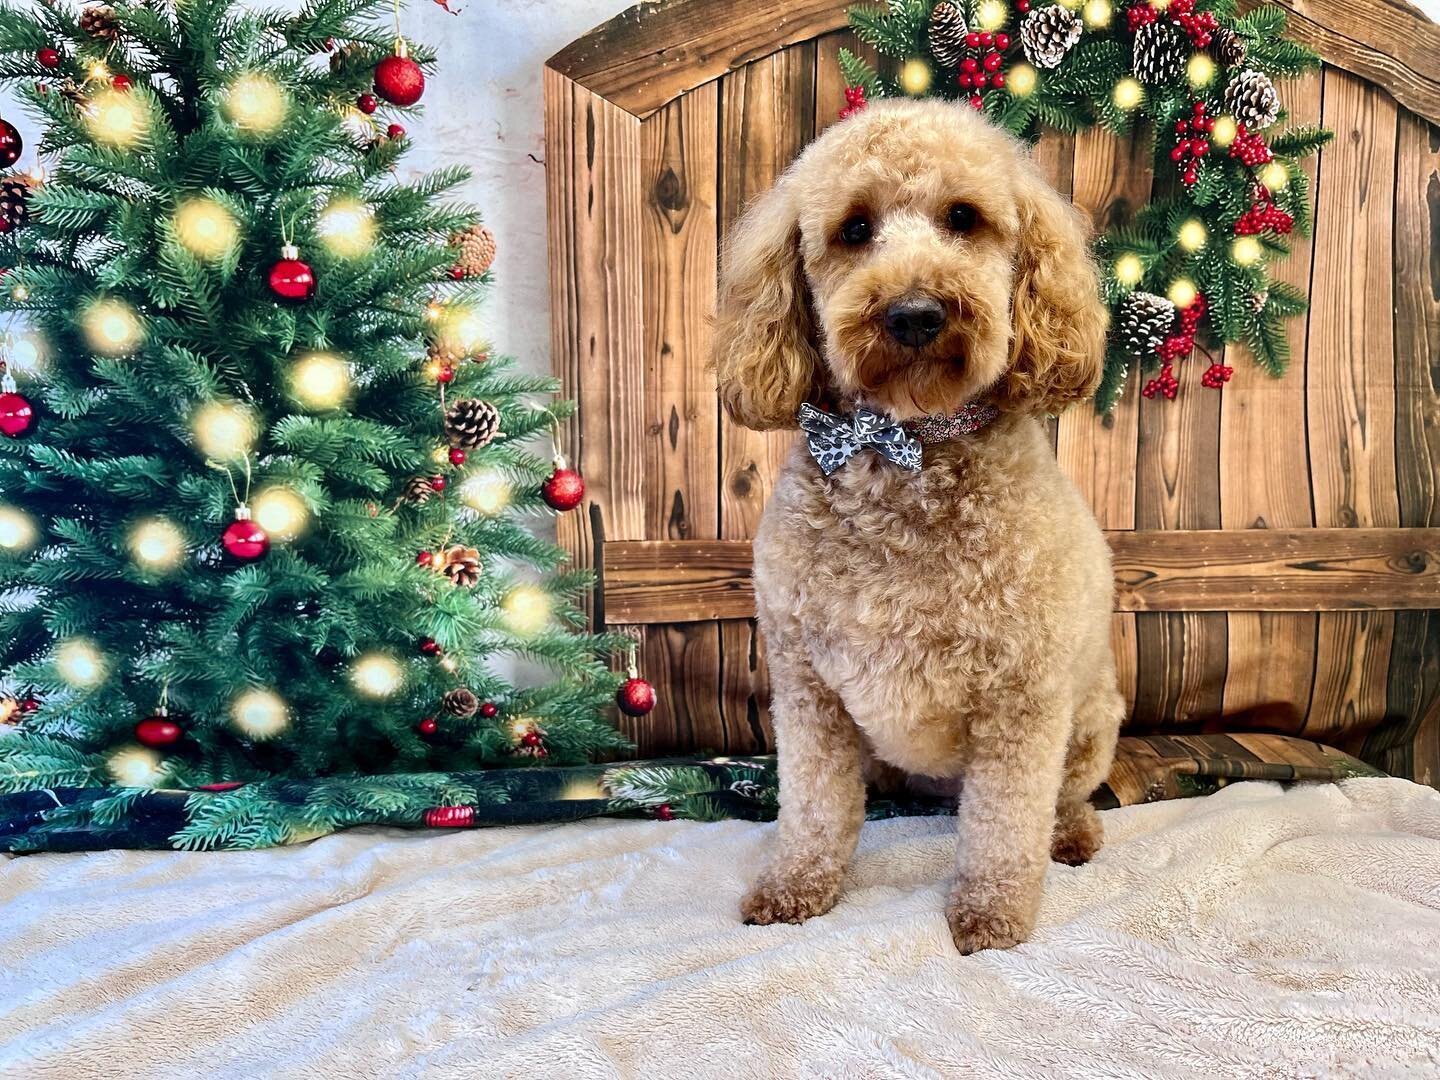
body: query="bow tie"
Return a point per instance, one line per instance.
(834, 438)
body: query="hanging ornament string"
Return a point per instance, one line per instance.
(636, 696)
(564, 488)
(243, 538)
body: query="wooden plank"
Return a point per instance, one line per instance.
(1412, 747)
(1350, 380)
(1265, 484)
(1155, 571)
(683, 663)
(745, 692)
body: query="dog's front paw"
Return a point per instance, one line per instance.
(975, 928)
(791, 899)
(1078, 836)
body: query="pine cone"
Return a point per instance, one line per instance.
(14, 202)
(460, 702)
(1161, 52)
(947, 33)
(418, 490)
(1144, 322)
(1258, 300)
(98, 20)
(462, 566)
(341, 57)
(1252, 99)
(477, 250)
(1227, 47)
(1048, 33)
(471, 423)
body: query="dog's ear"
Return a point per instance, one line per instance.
(765, 356)
(1058, 348)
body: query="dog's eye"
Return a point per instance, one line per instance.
(962, 217)
(856, 230)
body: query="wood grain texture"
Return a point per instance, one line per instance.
(829, 81)
(1155, 571)
(1265, 484)
(745, 690)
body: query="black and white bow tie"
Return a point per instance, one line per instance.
(834, 438)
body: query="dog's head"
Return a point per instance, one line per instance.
(911, 259)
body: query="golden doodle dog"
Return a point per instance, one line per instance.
(935, 596)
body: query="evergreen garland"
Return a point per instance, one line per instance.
(1201, 76)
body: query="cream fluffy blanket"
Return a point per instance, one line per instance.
(1258, 932)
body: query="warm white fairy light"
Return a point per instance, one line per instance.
(224, 431)
(915, 77)
(527, 609)
(1098, 13)
(487, 491)
(135, 766)
(256, 104)
(280, 512)
(320, 380)
(346, 227)
(1224, 131)
(260, 714)
(157, 544)
(1129, 94)
(1200, 70)
(1275, 176)
(205, 228)
(1129, 269)
(17, 530)
(1247, 251)
(462, 331)
(1192, 235)
(79, 663)
(377, 675)
(115, 118)
(27, 352)
(112, 328)
(992, 14)
(1022, 80)
(1182, 292)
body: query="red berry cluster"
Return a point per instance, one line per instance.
(1200, 26)
(854, 101)
(1140, 15)
(1177, 345)
(1216, 376)
(1192, 146)
(978, 72)
(1164, 383)
(1264, 216)
(1250, 150)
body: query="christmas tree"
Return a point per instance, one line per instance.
(262, 481)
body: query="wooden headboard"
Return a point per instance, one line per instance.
(1278, 545)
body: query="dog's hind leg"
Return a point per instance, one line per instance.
(1078, 833)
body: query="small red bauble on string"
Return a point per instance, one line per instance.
(244, 539)
(11, 145)
(489, 710)
(398, 79)
(17, 415)
(437, 483)
(457, 456)
(158, 729)
(445, 375)
(395, 131)
(48, 57)
(430, 647)
(428, 726)
(292, 280)
(636, 697)
(367, 103)
(563, 489)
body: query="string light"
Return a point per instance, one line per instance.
(991, 14)
(27, 352)
(1021, 80)
(1193, 235)
(356, 124)
(17, 530)
(1182, 292)
(462, 332)
(527, 609)
(1200, 70)
(115, 118)
(205, 228)
(224, 431)
(1247, 251)
(1098, 13)
(20, 292)
(112, 328)
(79, 663)
(99, 72)
(135, 766)
(280, 512)
(346, 227)
(256, 104)
(1275, 176)
(915, 77)
(377, 675)
(1129, 270)
(1129, 94)
(487, 491)
(157, 544)
(320, 381)
(260, 714)
(1224, 131)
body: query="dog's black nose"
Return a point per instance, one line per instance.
(915, 321)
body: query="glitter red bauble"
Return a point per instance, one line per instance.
(489, 710)
(291, 279)
(428, 726)
(48, 57)
(367, 103)
(399, 80)
(245, 540)
(17, 415)
(157, 730)
(636, 697)
(564, 489)
(11, 145)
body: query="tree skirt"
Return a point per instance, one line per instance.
(292, 810)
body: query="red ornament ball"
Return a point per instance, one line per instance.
(245, 539)
(445, 375)
(664, 812)
(457, 456)
(531, 738)
(636, 697)
(430, 647)
(11, 145)
(48, 57)
(30, 705)
(367, 103)
(395, 131)
(489, 710)
(17, 415)
(437, 483)
(121, 83)
(157, 730)
(428, 726)
(291, 279)
(424, 558)
(399, 80)
(563, 489)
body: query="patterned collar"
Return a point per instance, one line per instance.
(943, 427)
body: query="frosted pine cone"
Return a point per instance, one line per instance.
(1048, 34)
(1252, 99)
(1144, 322)
(476, 246)
(471, 423)
(947, 33)
(1161, 52)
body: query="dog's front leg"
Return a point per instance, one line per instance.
(822, 798)
(1006, 815)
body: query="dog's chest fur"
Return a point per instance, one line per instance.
(921, 598)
